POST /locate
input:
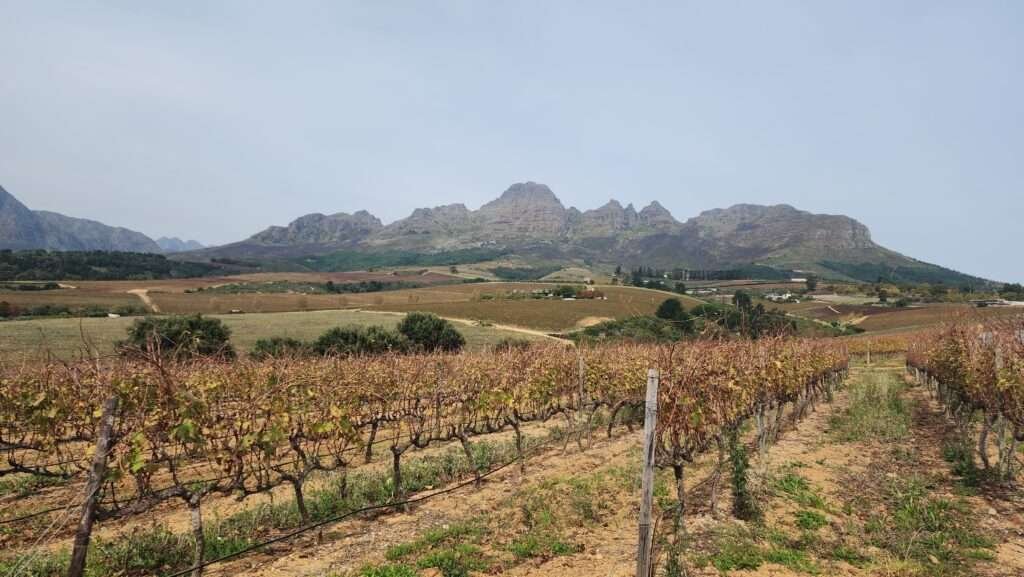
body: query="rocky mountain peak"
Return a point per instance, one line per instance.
(751, 225)
(317, 228)
(657, 216)
(526, 210)
(526, 193)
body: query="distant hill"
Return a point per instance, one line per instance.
(174, 244)
(529, 221)
(22, 229)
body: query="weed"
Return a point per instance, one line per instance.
(540, 544)
(810, 520)
(791, 558)
(388, 571)
(929, 530)
(434, 538)
(960, 455)
(846, 553)
(800, 491)
(26, 485)
(457, 561)
(735, 555)
(744, 505)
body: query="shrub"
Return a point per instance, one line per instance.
(357, 340)
(508, 344)
(429, 332)
(276, 347)
(181, 336)
(639, 328)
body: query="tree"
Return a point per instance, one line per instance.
(680, 288)
(181, 336)
(1012, 289)
(812, 283)
(670, 310)
(430, 332)
(742, 300)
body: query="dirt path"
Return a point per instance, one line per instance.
(855, 484)
(143, 295)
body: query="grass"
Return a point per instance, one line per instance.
(800, 491)
(935, 532)
(397, 570)
(744, 549)
(434, 538)
(64, 337)
(25, 485)
(876, 411)
(810, 520)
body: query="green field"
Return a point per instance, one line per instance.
(70, 337)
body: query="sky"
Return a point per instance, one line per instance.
(213, 120)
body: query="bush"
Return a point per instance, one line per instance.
(639, 328)
(508, 344)
(181, 336)
(277, 347)
(357, 340)
(428, 332)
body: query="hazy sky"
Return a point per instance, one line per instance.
(213, 120)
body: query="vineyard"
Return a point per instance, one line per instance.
(118, 439)
(134, 435)
(977, 371)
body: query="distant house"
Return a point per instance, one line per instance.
(798, 279)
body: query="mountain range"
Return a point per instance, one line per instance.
(526, 221)
(529, 221)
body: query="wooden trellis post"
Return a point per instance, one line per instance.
(643, 554)
(92, 489)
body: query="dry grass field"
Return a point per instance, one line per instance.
(117, 293)
(69, 337)
(476, 301)
(470, 302)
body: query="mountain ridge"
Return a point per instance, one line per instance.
(530, 221)
(24, 229)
